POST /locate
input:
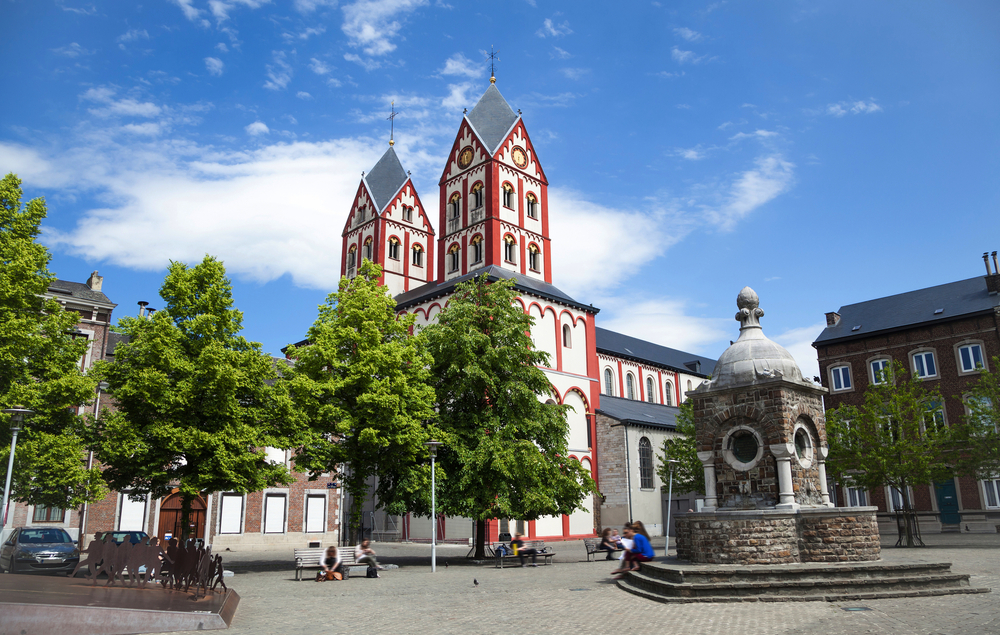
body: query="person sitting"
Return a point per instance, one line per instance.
(641, 551)
(608, 543)
(331, 568)
(517, 544)
(363, 553)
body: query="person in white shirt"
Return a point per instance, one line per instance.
(363, 553)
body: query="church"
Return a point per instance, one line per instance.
(493, 220)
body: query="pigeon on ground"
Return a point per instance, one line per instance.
(446, 565)
(475, 582)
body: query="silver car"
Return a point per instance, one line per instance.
(39, 550)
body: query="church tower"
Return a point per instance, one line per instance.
(494, 196)
(388, 226)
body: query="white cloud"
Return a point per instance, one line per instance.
(132, 35)
(798, 342)
(669, 74)
(279, 73)
(319, 67)
(148, 129)
(257, 128)
(333, 82)
(559, 54)
(220, 8)
(214, 66)
(756, 134)
(771, 177)
(574, 73)
(87, 9)
(190, 12)
(372, 25)
(459, 64)
(854, 107)
(692, 154)
(667, 322)
(367, 63)
(126, 107)
(308, 6)
(686, 57)
(458, 96)
(687, 34)
(303, 95)
(222, 48)
(551, 29)
(72, 50)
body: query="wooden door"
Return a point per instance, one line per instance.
(171, 517)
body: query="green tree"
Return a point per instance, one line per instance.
(505, 452)
(363, 382)
(689, 475)
(981, 457)
(197, 404)
(897, 438)
(40, 366)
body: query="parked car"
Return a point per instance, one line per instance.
(39, 550)
(135, 537)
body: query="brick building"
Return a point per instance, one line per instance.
(940, 334)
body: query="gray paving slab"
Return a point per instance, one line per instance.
(575, 596)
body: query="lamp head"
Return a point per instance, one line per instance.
(432, 445)
(17, 415)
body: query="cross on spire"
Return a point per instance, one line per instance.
(392, 121)
(493, 57)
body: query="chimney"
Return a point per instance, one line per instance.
(142, 307)
(992, 277)
(832, 318)
(95, 281)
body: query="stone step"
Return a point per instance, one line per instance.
(797, 587)
(704, 575)
(627, 585)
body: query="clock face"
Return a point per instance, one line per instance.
(519, 156)
(465, 158)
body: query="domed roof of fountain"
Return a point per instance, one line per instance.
(753, 358)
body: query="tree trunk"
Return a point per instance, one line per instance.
(480, 540)
(907, 512)
(185, 517)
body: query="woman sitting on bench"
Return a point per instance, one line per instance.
(517, 545)
(608, 543)
(331, 566)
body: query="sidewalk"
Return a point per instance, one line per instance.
(575, 596)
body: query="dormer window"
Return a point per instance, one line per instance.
(453, 258)
(456, 205)
(394, 248)
(532, 205)
(534, 258)
(510, 249)
(418, 256)
(508, 195)
(477, 249)
(477, 195)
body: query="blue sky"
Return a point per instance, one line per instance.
(823, 153)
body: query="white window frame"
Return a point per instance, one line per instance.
(836, 378)
(962, 370)
(668, 393)
(873, 375)
(991, 490)
(284, 520)
(123, 499)
(318, 495)
(629, 386)
(855, 496)
(923, 354)
(394, 248)
(609, 385)
(223, 507)
(650, 390)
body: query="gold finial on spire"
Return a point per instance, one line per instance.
(493, 59)
(392, 121)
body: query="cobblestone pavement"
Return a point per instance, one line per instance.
(575, 596)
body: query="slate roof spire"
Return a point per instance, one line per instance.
(385, 178)
(492, 118)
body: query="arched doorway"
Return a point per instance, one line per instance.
(171, 513)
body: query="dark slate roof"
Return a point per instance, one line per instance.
(114, 339)
(492, 118)
(639, 412)
(522, 283)
(956, 299)
(79, 291)
(621, 345)
(386, 178)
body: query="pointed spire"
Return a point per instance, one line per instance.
(386, 178)
(492, 118)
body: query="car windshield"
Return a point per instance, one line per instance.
(133, 537)
(40, 536)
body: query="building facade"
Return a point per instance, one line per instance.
(942, 334)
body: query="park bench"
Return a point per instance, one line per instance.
(538, 545)
(593, 547)
(311, 558)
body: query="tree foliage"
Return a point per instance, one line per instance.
(505, 452)
(40, 366)
(689, 475)
(197, 404)
(363, 382)
(983, 421)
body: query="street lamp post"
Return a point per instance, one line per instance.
(433, 447)
(17, 415)
(670, 504)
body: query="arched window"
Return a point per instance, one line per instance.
(456, 205)
(609, 382)
(407, 213)
(645, 463)
(477, 249)
(629, 386)
(532, 205)
(567, 336)
(418, 256)
(453, 257)
(689, 385)
(509, 249)
(352, 260)
(668, 394)
(368, 248)
(394, 248)
(534, 258)
(508, 195)
(650, 390)
(477, 196)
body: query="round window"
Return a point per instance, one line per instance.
(803, 448)
(744, 447)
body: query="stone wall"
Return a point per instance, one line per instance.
(779, 537)
(613, 471)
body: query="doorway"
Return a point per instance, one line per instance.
(947, 500)
(170, 518)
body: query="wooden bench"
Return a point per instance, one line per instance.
(537, 545)
(593, 547)
(311, 558)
